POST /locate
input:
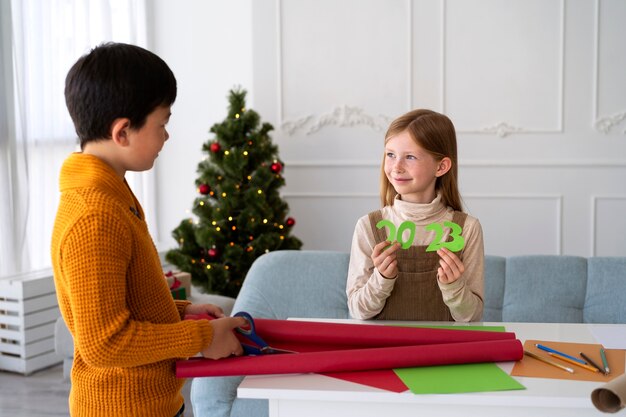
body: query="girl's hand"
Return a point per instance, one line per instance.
(210, 309)
(385, 259)
(224, 343)
(451, 268)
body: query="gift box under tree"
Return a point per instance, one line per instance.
(179, 284)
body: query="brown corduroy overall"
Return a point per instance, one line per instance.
(416, 295)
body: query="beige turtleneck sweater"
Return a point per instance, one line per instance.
(367, 289)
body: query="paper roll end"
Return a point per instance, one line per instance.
(606, 400)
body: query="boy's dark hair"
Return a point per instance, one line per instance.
(116, 80)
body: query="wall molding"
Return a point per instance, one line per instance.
(529, 163)
(292, 195)
(341, 116)
(506, 128)
(353, 116)
(602, 123)
(558, 199)
(502, 129)
(594, 218)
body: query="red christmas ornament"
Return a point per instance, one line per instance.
(291, 221)
(213, 253)
(215, 147)
(204, 189)
(276, 167)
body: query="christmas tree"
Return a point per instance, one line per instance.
(240, 214)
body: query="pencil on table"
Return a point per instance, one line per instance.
(604, 361)
(566, 359)
(549, 362)
(595, 365)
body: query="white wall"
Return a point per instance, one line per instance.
(536, 89)
(208, 46)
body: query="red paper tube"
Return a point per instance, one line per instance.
(366, 335)
(355, 359)
(288, 332)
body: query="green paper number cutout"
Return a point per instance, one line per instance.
(400, 231)
(458, 241)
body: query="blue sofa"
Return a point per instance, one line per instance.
(541, 288)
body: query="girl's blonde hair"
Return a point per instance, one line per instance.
(435, 133)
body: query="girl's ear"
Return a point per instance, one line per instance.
(119, 131)
(444, 166)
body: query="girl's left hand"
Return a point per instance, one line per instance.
(210, 309)
(451, 268)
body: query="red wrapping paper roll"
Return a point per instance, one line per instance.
(365, 335)
(355, 359)
(336, 347)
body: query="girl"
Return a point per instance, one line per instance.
(419, 185)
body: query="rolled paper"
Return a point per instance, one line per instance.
(611, 397)
(320, 358)
(368, 335)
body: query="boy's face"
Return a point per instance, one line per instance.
(147, 142)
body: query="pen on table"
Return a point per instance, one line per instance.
(549, 362)
(547, 349)
(595, 365)
(566, 359)
(604, 361)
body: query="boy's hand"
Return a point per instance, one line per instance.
(199, 309)
(451, 268)
(384, 258)
(224, 343)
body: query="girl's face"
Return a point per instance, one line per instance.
(410, 169)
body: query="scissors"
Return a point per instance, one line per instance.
(249, 331)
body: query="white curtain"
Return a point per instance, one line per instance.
(41, 39)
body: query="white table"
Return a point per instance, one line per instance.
(320, 396)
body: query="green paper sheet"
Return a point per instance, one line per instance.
(450, 379)
(481, 328)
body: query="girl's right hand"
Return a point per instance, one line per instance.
(224, 342)
(384, 258)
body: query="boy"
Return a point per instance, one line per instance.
(128, 330)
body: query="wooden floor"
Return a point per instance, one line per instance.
(44, 393)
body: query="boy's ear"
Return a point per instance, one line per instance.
(444, 166)
(119, 131)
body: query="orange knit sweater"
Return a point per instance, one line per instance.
(126, 326)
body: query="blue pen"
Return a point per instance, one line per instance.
(547, 349)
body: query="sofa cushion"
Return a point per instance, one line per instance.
(494, 287)
(545, 289)
(606, 290)
(313, 282)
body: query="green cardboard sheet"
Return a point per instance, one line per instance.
(454, 379)
(451, 379)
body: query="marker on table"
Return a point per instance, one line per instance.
(547, 349)
(549, 362)
(604, 361)
(588, 359)
(577, 363)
